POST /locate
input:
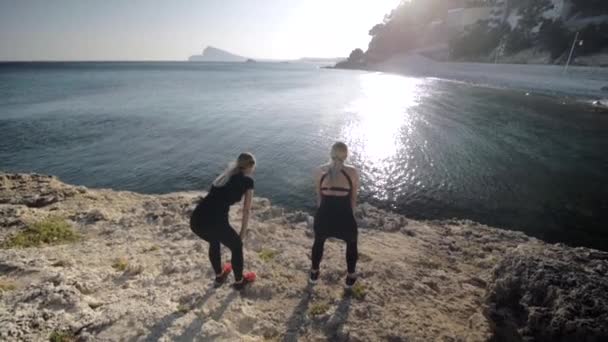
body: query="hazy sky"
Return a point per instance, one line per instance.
(176, 29)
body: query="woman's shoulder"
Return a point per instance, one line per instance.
(240, 177)
(321, 169)
(350, 169)
(247, 177)
(242, 182)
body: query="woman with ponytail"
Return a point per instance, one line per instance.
(337, 186)
(210, 218)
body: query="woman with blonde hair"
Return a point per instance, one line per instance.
(337, 186)
(210, 218)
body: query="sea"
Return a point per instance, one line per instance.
(425, 147)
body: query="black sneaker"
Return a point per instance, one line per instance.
(221, 279)
(248, 278)
(350, 281)
(314, 276)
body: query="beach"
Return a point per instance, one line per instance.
(577, 81)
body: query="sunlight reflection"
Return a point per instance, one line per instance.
(381, 114)
(380, 123)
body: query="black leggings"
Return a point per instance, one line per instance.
(229, 238)
(351, 253)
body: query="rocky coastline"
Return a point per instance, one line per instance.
(136, 272)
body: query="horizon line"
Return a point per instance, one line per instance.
(260, 60)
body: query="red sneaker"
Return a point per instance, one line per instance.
(248, 278)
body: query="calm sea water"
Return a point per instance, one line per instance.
(426, 148)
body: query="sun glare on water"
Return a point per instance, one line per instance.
(381, 119)
(380, 115)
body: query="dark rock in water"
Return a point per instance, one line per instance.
(605, 88)
(350, 65)
(356, 60)
(600, 105)
(550, 296)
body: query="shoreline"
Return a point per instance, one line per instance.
(420, 281)
(588, 83)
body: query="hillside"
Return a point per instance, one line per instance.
(135, 272)
(506, 31)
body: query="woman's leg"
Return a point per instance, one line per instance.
(317, 252)
(232, 240)
(351, 256)
(215, 256)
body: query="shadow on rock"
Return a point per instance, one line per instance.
(334, 327)
(297, 318)
(159, 329)
(194, 329)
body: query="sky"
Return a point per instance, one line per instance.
(176, 29)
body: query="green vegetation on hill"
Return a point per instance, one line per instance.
(553, 35)
(511, 27)
(61, 336)
(51, 231)
(7, 285)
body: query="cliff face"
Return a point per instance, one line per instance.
(491, 30)
(137, 273)
(545, 28)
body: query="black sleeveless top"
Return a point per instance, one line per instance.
(231, 192)
(334, 217)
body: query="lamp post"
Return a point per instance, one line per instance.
(580, 43)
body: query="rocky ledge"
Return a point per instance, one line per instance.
(137, 273)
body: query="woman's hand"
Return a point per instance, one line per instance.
(246, 209)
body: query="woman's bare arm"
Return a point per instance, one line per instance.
(317, 178)
(355, 191)
(246, 209)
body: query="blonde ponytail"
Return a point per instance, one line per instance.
(243, 162)
(338, 154)
(224, 177)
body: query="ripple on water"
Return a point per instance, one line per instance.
(424, 147)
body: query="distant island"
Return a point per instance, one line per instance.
(212, 54)
(321, 59)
